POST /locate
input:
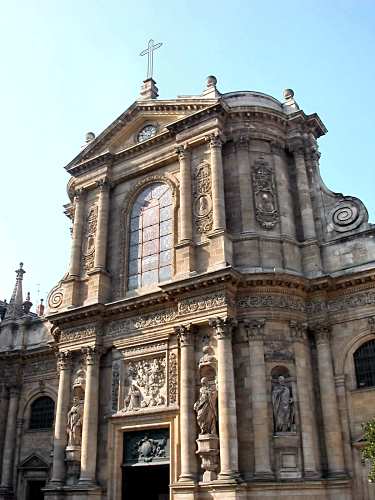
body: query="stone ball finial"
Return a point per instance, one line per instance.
(211, 81)
(90, 136)
(288, 94)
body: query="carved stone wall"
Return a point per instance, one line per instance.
(88, 245)
(202, 204)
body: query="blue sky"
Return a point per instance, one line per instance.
(73, 66)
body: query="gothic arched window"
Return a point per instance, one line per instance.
(151, 239)
(42, 413)
(364, 362)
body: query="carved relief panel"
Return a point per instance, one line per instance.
(266, 210)
(88, 246)
(202, 202)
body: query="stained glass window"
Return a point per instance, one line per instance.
(42, 413)
(151, 239)
(364, 361)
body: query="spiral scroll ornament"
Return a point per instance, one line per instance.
(346, 216)
(55, 299)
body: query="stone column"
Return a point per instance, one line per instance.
(62, 408)
(186, 233)
(305, 394)
(90, 418)
(259, 400)
(187, 392)
(75, 258)
(102, 228)
(218, 201)
(226, 399)
(246, 192)
(331, 419)
(344, 416)
(4, 400)
(310, 251)
(10, 439)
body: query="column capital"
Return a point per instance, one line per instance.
(215, 140)
(277, 147)
(185, 334)
(91, 354)
(64, 360)
(182, 152)
(255, 329)
(322, 332)
(223, 326)
(79, 194)
(103, 185)
(298, 330)
(296, 147)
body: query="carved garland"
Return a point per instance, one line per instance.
(88, 245)
(202, 204)
(266, 210)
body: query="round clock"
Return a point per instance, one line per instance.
(146, 133)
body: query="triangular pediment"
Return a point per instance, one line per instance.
(34, 462)
(123, 133)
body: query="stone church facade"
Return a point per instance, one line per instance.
(214, 335)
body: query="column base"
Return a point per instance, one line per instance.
(231, 477)
(311, 474)
(264, 476)
(184, 491)
(338, 475)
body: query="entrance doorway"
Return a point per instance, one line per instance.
(145, 468)
(34, 490)
(151, 483)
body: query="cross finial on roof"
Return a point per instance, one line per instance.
(150, 57)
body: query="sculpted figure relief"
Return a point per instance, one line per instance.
(205, 407)
(133, 399)
(74, 427)
(283, 407)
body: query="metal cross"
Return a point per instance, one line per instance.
(150, 56)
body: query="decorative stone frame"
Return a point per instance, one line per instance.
(25, 407)
(117, 426)
(125, 225)
(345, 363)
(139, 129)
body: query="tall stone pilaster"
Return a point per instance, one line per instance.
(75, 257)
(185, 247)
(62, 408)
(310, 251)
(246, 192)
(102, 228)
(90, 418)
(255, 335)
(331, 418)
(305, 395)
(226, 400)
(10, 441)
(187, 392)
(218, 201)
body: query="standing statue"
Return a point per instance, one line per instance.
(205, 407)
(133, 399)
(74, 427)
(283, 407)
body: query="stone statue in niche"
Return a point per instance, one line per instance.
(133, 399)
(283, 407)
(205, 407)
(74, 427)
(265, 194)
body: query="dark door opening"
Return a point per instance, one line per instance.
(145, 482)
(34, 490)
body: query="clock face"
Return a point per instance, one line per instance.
(146, 133)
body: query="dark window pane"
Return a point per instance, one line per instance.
(364, 361)
(42, 413)
(134, 282)
(165, 242)
(150, 262)
(134, 266)
(165, 213)
(150, 247)
(151, 233)
(165, 258)
(135, 252)
(165, 273)
(149, 278)
(165, 227)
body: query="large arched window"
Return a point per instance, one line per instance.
(364, 362)
(150, 245)
(42, 413)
